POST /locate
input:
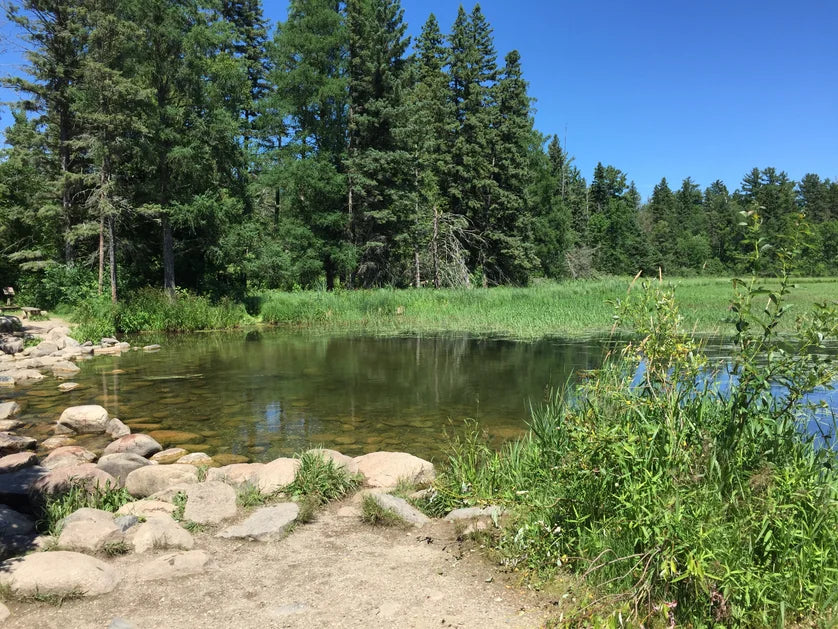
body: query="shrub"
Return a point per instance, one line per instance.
(53, 508)
(320, 479)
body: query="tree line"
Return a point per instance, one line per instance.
(188, 141)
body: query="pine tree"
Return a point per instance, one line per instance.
(55, 34)
(310, 105)
(379, 167)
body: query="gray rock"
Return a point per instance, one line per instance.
(107, 341)
(469, 513)
(11, 345)
(11, 443)
(88, 530)
(64, 368)
(7, 380)
(174, 565)
(57, 573)
(9, 409)
(145, 508)
(139, 443)
(85, 475)
(151, 348)
(159, 532)
(116, 429)
(125, 522)
(401, 508)
(10, 324)
(26, 375)
(12, 462)
(211, 502)
(386, 469)
(44, 348)
(339, 460)
(13, 523)
(7, 425)
(196, 458)
(15, 487)
(121, 623)
(148, 480)
(65, 387)
(57, 441)
(121, 464)
(91, 418)
(265, 524)
(67, 455)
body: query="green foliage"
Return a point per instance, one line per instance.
(249, 495)
(319, 480)
(55, 507)
(666, 491)
(375, 515)
(57, 284)
(151, 310)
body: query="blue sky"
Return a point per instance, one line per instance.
(703, 89)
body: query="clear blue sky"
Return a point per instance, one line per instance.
(703, 89)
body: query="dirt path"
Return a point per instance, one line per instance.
(334, 572)
(40, 328)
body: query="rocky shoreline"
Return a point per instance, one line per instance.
(172, 492)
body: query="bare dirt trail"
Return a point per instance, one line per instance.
(333, 572)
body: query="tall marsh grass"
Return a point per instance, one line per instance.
(569, 309)
(150, 310)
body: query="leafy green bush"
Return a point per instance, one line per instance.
(319, 478)
(667, 488)
(57, 284)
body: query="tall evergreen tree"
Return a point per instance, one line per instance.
(379, 172)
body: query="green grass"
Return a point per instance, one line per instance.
(319, 480)
(564, 309)
(55, 507)
(375, 515)
(249, 495)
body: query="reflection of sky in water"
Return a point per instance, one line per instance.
(273, 417)
(817, 411)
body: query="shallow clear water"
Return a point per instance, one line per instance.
(263, 395)
(260, 395)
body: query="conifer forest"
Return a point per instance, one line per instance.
(193, 144)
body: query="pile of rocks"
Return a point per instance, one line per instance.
(56, 354)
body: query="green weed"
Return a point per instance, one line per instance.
(55, 507)
(375, 515)
(248, 495)
(320, 479)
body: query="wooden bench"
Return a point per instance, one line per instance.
(29, 312)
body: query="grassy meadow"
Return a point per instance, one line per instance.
(570, 309)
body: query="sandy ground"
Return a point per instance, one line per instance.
(40, 328)
(334, 572)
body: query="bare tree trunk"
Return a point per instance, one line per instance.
(435, 247)
(418, 276)
(168, 259)
(101, 251)
(112, 257)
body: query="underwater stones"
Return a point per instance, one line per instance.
(169, 437)
(170, 455)
(227, 458)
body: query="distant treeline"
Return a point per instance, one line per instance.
(189, 141)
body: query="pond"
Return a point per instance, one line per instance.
(266, 394)
(259, 395)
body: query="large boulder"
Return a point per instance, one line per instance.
(58, 334)
(121, 464)
(19, 460)
(8, 425)
(266, 524)
(11, 443)
(91, 418)
(10, 324)
(86, 475)
(139, 444)
(9, 409)
(58, 573)
(23, 376)
(149, 480)
(174, 565)
(237, 473)
(88, 530)
(16, 486)
(67, 455)
(386, 469)
(210, 502)
(64, 368)
(13, 524)
(159, 532)
(338, 459)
